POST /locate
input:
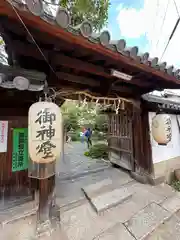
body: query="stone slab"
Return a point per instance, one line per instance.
(177, 214)
(172, 204)
(157, 180)
(74, 175)
(92, 189)
(13, 202)
(19, 212)
(163, 190)
(110, 199)
(147, 220)
(83, 223)
(25, 229)
(118, 232)
(170, 230)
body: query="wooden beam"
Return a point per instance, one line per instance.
(124, 89)
(14, 94)
(78, 79)
(55, 31)
(59, 59)
(27, 49)
(68, 80)
(93, 83)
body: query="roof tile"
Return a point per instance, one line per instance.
(62, 19)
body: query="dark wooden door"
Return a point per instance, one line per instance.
(120, 140)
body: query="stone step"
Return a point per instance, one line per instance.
(147, 220)
(104, 186)
(95, 189)
(109, 199)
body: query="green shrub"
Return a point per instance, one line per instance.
(98, 151)
(176, 185)
(86, 154)
(98, 136)
(75, 136)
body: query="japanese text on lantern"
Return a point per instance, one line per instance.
(45, 133)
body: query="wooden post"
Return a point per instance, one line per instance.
(44, 138)
(46, 192)
(46, 199)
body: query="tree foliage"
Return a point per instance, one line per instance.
(70, 115)
(87, 115)
(95, 11)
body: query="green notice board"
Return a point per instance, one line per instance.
(20, 149)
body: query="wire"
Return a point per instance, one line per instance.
(176, 8)
(65, 92)
(173, 31)
(157, 7)
(163, 22)
(172, 34)
(34, 41)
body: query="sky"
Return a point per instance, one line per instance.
(147, 24)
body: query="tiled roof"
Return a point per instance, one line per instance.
(10, 76)
(55, 15)
(164, 102)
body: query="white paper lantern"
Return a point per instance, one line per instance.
(44, 132)
(161, 129)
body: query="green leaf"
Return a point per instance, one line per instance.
(1, 42)
(96, 11)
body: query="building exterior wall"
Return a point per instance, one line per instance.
(13, 185)
(166, 158)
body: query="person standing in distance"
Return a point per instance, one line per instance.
(88, 134)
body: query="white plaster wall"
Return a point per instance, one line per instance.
(172, 149)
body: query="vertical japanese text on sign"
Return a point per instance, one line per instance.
(45, 118)
(20, 149)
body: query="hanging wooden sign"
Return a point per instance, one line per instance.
(45, 132)
(161, 129)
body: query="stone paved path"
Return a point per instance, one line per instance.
(151, 213)
(145, 216)
(75, 164)
(77, 171)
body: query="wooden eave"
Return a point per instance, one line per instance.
(87, 62)
(155, 103)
